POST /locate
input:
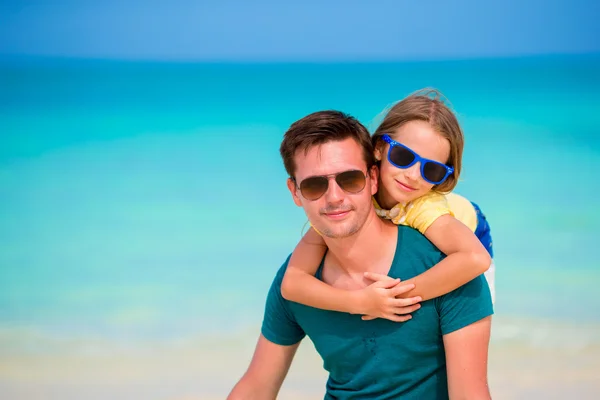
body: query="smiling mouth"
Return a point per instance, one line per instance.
(405, 186)
(337, 214)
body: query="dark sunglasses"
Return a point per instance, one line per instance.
(312, 188)
(402, 157)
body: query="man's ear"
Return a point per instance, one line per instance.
(294, 191)
(374, 179)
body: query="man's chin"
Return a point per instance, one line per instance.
(338, 232)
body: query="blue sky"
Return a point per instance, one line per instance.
(298, 30)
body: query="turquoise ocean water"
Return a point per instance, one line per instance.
(147, 200)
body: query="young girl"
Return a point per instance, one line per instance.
(418, 147)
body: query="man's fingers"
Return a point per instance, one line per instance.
(368, 317)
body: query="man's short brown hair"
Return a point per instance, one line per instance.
(323, 127)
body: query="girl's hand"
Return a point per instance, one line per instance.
(378, 300)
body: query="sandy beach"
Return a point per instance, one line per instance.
(521, 367)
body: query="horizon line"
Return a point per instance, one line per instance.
(153, 60)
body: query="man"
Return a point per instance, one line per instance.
(441, 352)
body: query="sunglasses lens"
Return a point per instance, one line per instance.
(401, 157)
(314, 187)
(351, 181)
(434, 172)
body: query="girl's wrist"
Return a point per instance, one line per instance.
(357, 302)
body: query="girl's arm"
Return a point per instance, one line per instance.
(300, 285)
(466, 259)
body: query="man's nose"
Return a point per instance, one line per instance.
(334, 193)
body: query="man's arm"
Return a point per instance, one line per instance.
(267, 370)
(466, 361)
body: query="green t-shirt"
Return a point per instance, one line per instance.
(381, 359)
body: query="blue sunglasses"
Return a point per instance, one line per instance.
(402, 157)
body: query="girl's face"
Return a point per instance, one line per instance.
(399, 185)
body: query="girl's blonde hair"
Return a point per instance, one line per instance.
(431, 106)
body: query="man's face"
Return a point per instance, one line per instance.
(336, 214)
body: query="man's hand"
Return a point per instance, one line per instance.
(378, 300)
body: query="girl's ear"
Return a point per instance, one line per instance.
(378, 152)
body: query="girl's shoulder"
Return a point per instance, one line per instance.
(419, 213)
(423, 211)
(463, 210)
(429, 200)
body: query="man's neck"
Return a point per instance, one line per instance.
(370, 249)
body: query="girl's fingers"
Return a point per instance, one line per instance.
(409, 301)
(401, 288)
(407, 310)
(378, 277)
(398, 318)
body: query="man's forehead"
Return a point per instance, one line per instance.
(329, 158)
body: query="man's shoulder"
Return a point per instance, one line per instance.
(415, 254)
(281, 271)
(414, 241)
(279, 322)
